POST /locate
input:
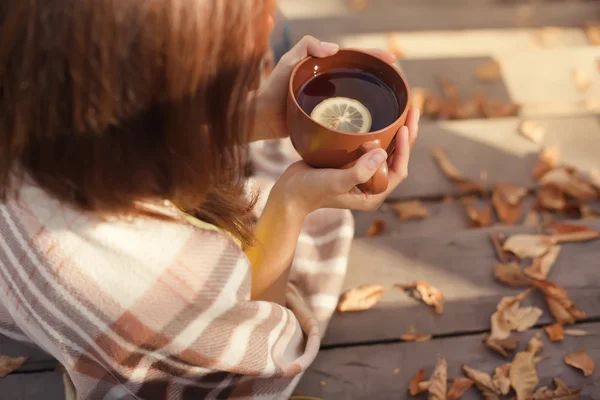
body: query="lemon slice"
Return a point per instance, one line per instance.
(343, 114)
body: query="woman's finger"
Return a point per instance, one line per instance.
(399, 167)
(308, 46)
(412, 123)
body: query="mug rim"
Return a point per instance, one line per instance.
(351, 50)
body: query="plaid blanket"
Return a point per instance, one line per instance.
(153, 309)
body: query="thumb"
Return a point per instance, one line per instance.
(307, 46)
(362, 171)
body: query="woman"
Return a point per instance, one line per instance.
(115, 117)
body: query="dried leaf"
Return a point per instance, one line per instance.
(376, 228)
(502, 346)
(541, 265)
(570, 184)
(468, 109)
(507, 213)
(511, 316)
(563, 232)
(511, 194)
(504, 256)
(449, 89)
(592, 176)
(413, 386)
(511, 275)
(360, 298)
(523, 375)
(395, 45)
(447, 167)
(458, 388)
(418, 98)
(555, 332)
(469, 186)
(532, 218)
(549, 36)
(358, 4)
(396, 371)
(551, 198)
(532, 130)
(489, 71)
(433, 105)
(430, 295)
(582, 361)
(529, 246)
(483, 382)
(9, 364)
(496, 109)
(562, 392)
(592, 30)
(561, 306)
(547, 160)
(501, 379)
(578, 332)
(588, 212)
(413, 336)
(407, 210)
(581, 79)
(480, 217)
(438, 383)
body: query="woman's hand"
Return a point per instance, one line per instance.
(307, 189)
(272, 96)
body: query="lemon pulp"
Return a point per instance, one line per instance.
(343, 114)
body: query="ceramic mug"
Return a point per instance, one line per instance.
(322, 147)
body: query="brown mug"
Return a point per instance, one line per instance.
(322, 147)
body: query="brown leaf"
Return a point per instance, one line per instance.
(447, 167)
(507, 213)
(360, 298)
(592, 30)
(563, 232)
(9, 364)
(438, 383)
(413, 336)
(561, 306)
(529, 246)
(468, 186)
(413, 386)
(523, 374)
(578, 332)
(581, 80)
(395, 45)
(541, 265)
(430, 295)
(489, 71)
(449, 89)
(570, 184)
(532, 218)
(459, 387)
(592, 177)
(433, 105)
(480, 217)
(582, 361)
(418, 98)
(483, 382)
(511, 194)
(496, 109)
(511, 316)
(532, 130)
(358, 4)
(511, 275)
(547, 160)
(468, 109)
(562, 392)
(588, 212)
(376, 228)
(504, 256)
(555, 332)
(502, 346)
(406, 210)
(551, 198)
(501, 379)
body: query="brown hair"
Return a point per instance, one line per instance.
(105, 103)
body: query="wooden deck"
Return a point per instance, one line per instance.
(362, 355)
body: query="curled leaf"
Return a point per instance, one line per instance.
(532, 130)
(449, 89)
(540, 268)
(438, 383)
(358, 4)
(507, 213)
(511, 275)
(489, 71)
(413, 386)
(578, 332)
(582, 361)
(502, 346)
(406, 210)
(10, 364)
(563, 232)
(496, 109)
(551, 198)
(447, 167)
(429, 294)
(360, 298)
(480, 217)
(569, 183)
(413, 336)
(483, 382)
(511, 194)
(523, 375)
(562, 392)
(458, 388)
(501, 379)
(532, 218)
(561, 306)
(376, 228)
(504, 256)
(529, 246)
(511, 316)
(555, 332)
(547, 160)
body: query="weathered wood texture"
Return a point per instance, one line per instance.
(32, 386)
(367, 372)
(461, 264)
(496, 147)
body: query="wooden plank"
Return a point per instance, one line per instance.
(330, 19)
(496, 147)
(367, 372)
(33, 386)
(38, 360)
(460, 263)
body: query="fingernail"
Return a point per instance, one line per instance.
(329, 46)
(376, 159)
